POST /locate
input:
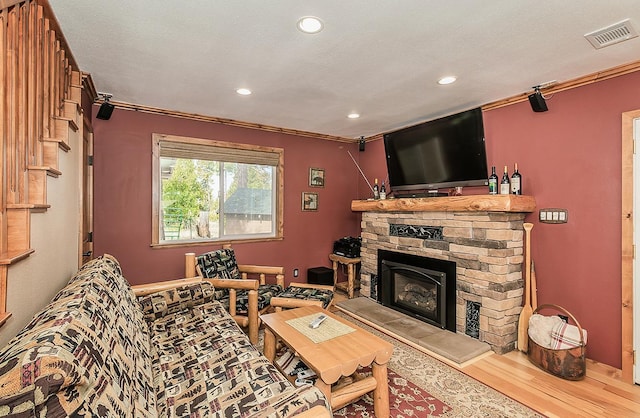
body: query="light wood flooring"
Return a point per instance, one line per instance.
(601, 394)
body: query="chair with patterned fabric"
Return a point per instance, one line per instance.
(241, 288)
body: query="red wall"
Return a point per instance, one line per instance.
(122, 181)
(570, 157)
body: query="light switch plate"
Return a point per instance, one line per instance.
(553, 216)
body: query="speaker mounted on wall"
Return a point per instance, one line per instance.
(536, 99)
(361, 143)
(106, 108)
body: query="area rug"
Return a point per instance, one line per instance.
(463, 395)
(405, 400)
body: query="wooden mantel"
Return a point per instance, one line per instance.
(471, 203)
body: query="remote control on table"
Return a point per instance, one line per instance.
(316, 322)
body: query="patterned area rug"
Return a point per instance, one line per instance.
(465, 396)
(405, 400)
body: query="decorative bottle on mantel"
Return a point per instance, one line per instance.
(505, 185)
(383, 192)
(493, 181)
(516, 181)
(376, 190)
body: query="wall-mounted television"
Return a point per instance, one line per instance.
(442, 153)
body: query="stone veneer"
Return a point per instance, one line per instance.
(487, 248)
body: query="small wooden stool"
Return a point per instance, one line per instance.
(351, 264)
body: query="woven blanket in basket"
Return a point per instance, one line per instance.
(564, 335)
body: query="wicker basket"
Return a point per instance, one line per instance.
(566, 363)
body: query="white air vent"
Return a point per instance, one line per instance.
(613, 34)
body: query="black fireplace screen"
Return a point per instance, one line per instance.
(421, 287)
(418, 289)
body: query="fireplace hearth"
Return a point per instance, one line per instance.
(421, 287)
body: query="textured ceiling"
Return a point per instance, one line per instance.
(381, 59)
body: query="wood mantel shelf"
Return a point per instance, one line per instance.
(471, 203)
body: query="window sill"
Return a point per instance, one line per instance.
(201, 243)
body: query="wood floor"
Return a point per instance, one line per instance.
(600, 394)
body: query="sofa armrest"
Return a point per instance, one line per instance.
(247, 284)
(252, 268)
(262, 272)
(149, 288)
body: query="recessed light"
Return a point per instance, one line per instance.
(310, 24)
(353, 115)
(243, 92)
(447, 80)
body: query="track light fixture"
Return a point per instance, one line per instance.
(106, 108)
(538, 104)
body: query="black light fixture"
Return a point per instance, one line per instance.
(106, 108)
(538, 104)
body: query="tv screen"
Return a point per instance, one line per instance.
(442, 153)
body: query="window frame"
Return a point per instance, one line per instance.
(156, 188)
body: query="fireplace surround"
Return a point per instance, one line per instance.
(481, 234)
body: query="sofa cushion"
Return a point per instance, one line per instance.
(170, 301)
(204, 365)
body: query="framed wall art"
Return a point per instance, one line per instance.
(309, 201)
(316, 177)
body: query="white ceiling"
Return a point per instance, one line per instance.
(381, 59)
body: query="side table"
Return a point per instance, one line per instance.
(351, 264)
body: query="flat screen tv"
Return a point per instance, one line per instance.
(442, 153)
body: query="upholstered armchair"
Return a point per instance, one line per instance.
(241, 288)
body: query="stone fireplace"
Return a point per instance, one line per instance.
(482, 235)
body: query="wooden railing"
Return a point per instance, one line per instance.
(40, 91)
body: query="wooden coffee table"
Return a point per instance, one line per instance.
(335, 359)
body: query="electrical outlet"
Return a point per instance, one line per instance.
(296, 272)
(553, 216)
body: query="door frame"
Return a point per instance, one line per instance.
(627, 256)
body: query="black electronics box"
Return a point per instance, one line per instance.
(320, 275)
(348, 247)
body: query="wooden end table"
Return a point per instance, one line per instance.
(351, 264)
(336, 358)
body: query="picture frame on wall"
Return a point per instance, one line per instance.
(316, 177)
(309, 201)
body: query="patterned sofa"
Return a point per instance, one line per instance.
(97, 350)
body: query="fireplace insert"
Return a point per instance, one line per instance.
(421, 287)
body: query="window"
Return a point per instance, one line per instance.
(206, 190)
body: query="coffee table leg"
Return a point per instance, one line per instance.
(269, 345)
(381, 392)
(325, 388)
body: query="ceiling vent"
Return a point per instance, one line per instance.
(613, 34)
